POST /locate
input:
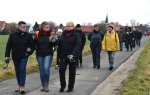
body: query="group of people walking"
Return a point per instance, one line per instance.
(69, 44)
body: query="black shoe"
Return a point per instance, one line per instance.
(61, 89)
(111, 68)
(69, 90)
(98, 67)
(94, 66)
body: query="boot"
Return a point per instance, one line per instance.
(43, 87)
(46, 87)
(22, 90)
(18, 89)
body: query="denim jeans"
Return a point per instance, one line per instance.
(20, 69)
(121, 45)
(138, 42)
(111, 55)
(44, 66)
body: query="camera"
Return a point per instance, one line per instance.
(71, 58)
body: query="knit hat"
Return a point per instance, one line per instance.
(78, 26)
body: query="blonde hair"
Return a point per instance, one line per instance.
(70, 23)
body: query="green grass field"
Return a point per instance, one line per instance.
(138, 83)
(32, 63)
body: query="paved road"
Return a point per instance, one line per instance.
(87, 78)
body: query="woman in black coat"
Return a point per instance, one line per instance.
(68, 49)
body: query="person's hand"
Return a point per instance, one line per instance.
(28, 51)
(71, 58)
(7, 59)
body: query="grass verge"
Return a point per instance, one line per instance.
(138, 82)
(32, 65)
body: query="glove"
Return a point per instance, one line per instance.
(57, 67)
(27, 53)
(71, 58)
(7, 59)
(52, 39)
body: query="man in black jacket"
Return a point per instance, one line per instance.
(21, 44)
(68, 48)
(83, 40)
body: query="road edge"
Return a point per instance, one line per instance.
(112, 84)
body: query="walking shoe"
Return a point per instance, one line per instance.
(61, 89)
(43, 87)
(94, 66)
(70, 90)
(111, 68)
(18, 89)
(98, 66)
(22, 90)
(46, 87)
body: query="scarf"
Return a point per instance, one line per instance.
(69, 32)
(42, 32)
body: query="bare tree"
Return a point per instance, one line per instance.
(133, 22)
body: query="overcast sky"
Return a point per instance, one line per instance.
(78, 11)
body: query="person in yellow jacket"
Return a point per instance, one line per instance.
(110, 44)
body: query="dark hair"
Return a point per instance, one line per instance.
(21, 22)
(129, 28)
(96, 25)
(44, 23)
(78, 25)
(111, 26)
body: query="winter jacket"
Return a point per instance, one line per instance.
(111, 41)
(19, 43)
(43, 46)
(69, 44)
(95, 38)
(83, 38)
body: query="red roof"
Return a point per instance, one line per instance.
(2, 24)
(87, 28)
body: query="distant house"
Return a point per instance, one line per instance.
(87, 29)
(2, 25)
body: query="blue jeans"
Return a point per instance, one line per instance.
(44, 66)
(111, 55)
(20, 69)
(121, 45)
(138, 42)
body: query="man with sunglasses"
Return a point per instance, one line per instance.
(21, 45)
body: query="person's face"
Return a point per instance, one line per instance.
(96, 28)
(78, 28)
(59, 33)
(46, 27)
(109, 29)
(69, 26)
(22, 27)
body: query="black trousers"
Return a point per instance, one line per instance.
(128, 44)
(72, 73)
(96, 50)
(79, 57)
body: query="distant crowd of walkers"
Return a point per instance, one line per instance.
(69, 44)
